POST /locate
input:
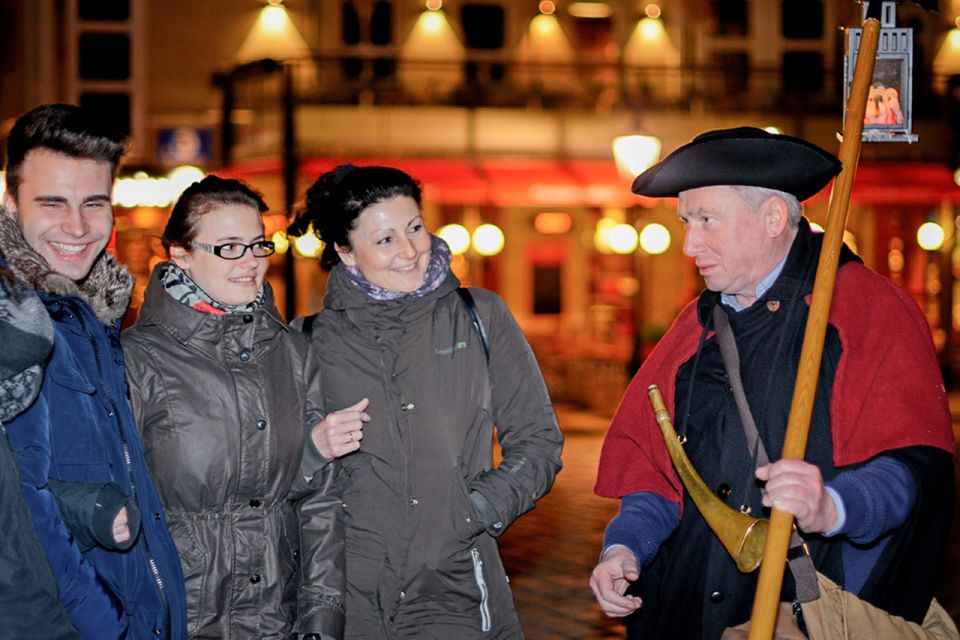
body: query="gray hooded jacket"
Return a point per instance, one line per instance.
(420, 562)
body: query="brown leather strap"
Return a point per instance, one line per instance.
(801, 566)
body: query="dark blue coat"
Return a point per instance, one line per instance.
(80, 429)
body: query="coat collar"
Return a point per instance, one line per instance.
(106, 288)
(187, 325)
(795, 280)
(342, 295)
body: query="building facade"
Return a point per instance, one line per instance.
(506, 112)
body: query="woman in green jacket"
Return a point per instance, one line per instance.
(422, 498)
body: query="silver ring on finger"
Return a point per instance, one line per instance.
(349, 436)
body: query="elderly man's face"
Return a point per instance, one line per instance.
(734, 246)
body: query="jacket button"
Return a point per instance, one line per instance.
(157, 632)
(724, 491)
(254, 503)
(716, 597)
(261, 424)
(244, 356)
(247, 318)
(414, 502)
(255, 578)
(408, 406)
(156, 516)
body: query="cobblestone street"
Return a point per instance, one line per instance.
(550, 552)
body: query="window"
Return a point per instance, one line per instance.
(483, 29)
(104, 56)
(104, 10)
(734, 71)
(730, 17)
(111, 107)
(354, 28)
(803, 71)
(802, 19)
(482, 25)
(546, 289)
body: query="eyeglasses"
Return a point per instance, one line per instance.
(236, 250)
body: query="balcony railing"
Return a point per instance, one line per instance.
(379, 76)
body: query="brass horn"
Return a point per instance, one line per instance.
(742, 536)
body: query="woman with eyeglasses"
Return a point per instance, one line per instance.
(223, 393)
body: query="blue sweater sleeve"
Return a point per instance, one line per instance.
(92, 610)
(645, 520)
(875, 498)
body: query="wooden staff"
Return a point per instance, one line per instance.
(770, 582)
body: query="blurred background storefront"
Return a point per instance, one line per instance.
(507, 112)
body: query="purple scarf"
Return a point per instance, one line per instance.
(436, 273)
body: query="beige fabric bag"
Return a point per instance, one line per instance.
(786, 628)
(840, 615)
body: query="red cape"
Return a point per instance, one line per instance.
(888, 392)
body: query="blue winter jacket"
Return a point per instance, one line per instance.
(80, 429)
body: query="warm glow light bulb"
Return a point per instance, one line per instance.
(601, 234)
(652, 11)
(432, 22)
(544, 25)
(634, 154)
(434, 5)
(456, 236)
(274, 18)
(280, 241)
(622, 238)
(655, 239)
(488, 240)
(651, 29)
(547, 7)
(182, 177)
(308, 245)
(930, 236)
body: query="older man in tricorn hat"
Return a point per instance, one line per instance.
(872, 497)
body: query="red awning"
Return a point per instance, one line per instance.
(586, 182)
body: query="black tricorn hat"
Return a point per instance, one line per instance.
(741, 156)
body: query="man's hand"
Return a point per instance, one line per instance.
(610, 579)
(121, 527)
(797, 487)
(341, 431)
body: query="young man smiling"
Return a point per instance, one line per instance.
(80, 456)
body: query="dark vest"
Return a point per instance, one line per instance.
(693, 584)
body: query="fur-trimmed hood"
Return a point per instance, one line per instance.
(106, 288)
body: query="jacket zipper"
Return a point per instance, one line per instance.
(484, 594)
(128, 461)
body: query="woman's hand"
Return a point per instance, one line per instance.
(341, 431)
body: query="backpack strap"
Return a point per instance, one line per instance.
(471, 307)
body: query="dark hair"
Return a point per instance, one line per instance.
(63, 128)
(338, 197)
(201, 198)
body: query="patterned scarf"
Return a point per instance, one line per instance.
(184, 290)
(436, 273)
(27, 335)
